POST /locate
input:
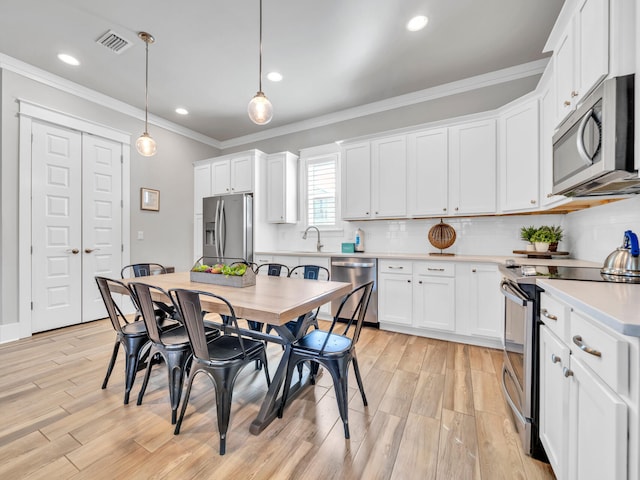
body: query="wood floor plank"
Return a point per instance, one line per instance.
(487, 393)
(418, 453)
(458, 448)
(390, 357)
(458, 356)
(398, 397)
(458, 391)
(413, 355)
(480, 358)
(435, 358)
(498, 450)
(427, 400)
(59, 468)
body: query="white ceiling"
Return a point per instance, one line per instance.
(334, 54)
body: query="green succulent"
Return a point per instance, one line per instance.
(544, 235)
(556, 230)
(527, 232)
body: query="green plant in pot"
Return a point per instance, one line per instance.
(542, 238)
(557, 231)
(526, 234)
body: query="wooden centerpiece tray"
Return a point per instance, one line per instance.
(534, 254)
(246, 280)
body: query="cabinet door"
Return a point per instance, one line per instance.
(427, 177)
(592, 25)
(201, 186)
(241, 174)
(394, 300)
(276, 189)
(598, 439)
(198, 237)
(564, 68)
(472, 168)
(519, 158)
(389, 175)
(356, 181)
(486, 302)
(220, 175)
(554, 400)
(547, 125)
(433, 303)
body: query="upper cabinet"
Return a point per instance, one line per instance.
(232, 175)
(374, 179)
(282, 188)
(581, 55)
(201, 185)
(472, 168)
(519, 156)
(428, 172)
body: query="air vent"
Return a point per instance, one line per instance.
(114, 42)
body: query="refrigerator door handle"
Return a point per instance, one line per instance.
(216, 235)
(223, 230)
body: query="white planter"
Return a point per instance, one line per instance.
(531, 247)
(541, 246)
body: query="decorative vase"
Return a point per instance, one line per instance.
(541, 247)
(531, 247)
(553, 247)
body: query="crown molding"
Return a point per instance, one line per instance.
(64, 85)
(459, 86)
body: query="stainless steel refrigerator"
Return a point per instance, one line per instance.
(228, 228)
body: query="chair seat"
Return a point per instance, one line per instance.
(134, 328)
(177, 337)
(227, 347)
(314, 340)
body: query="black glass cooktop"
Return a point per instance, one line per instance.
(587, 274)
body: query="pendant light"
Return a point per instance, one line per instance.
(260, 108)
(146, 145)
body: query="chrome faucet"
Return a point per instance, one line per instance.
(304, 237)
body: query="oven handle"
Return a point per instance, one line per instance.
(513, 293)
(514, 409)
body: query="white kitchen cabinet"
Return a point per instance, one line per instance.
(282, 188)
(472, 168)
(201, 185)
(232, 175)
(389, 177)
(479, 311)
(427, 172)
(198, 237)
(519, 156)
(585, 396)
(434, 297)
(395, 292)
(356, 181)
(581, 56)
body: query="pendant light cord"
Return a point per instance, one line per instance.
(260, 73)
(146, 87)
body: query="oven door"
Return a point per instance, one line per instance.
(517, 372)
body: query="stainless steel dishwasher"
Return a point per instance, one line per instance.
(357, 271)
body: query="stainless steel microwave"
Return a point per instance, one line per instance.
(593, 147)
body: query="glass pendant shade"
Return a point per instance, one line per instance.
(146, 145)
(260, 109)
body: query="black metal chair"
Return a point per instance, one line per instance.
(334, 351)
(173, 344)
(221, 359)
(132, 334)
(136, 270)
(273, 270)
(308, 272)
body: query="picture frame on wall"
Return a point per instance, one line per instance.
(149, 199)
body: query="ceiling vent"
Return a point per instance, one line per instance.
(114, 42)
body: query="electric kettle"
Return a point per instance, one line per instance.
(624, 260)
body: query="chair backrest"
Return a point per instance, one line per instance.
(108, 287)
(141, 270)
(359, 297)
(142, 295)
(188, 302)
(273, 269)
(311, 272)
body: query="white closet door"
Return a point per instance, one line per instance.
(101, 219)
(56, 263)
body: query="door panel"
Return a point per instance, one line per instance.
(56, 263)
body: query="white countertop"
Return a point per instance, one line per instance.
(616, 305)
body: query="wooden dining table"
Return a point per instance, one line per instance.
(272, 300)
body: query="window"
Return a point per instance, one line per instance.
(321, 197)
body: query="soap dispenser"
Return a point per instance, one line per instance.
(359, 240)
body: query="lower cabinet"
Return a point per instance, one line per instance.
(434, 296)
(584, 421)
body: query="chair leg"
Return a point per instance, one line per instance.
(193, 372)
(112, 362)
(339, 374)
(145, 382)
(176, 366)
(134, 347)
(359, 380)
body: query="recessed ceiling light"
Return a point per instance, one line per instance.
(417, 23)
(182, 111)
(68, 59)
(274, 76)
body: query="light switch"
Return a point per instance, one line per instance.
(140, 235)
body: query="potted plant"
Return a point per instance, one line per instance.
(526, 233)
(542, 238)
(557, 231)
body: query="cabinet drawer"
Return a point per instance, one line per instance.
(603, 352)
(435, 269)
(555, 315)
(395, 266)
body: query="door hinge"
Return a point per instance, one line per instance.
(122, 247)
(31, 305)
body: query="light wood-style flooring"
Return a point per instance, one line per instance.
(435, 411)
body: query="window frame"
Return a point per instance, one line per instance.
(312, 158)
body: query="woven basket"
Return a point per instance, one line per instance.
(442, 235)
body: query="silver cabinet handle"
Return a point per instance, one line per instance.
(75, 251)
(90, 250)
(592, 351)
(555, 358)
(393, 267)
(545, 313)
(566, 372)
(435, 269)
